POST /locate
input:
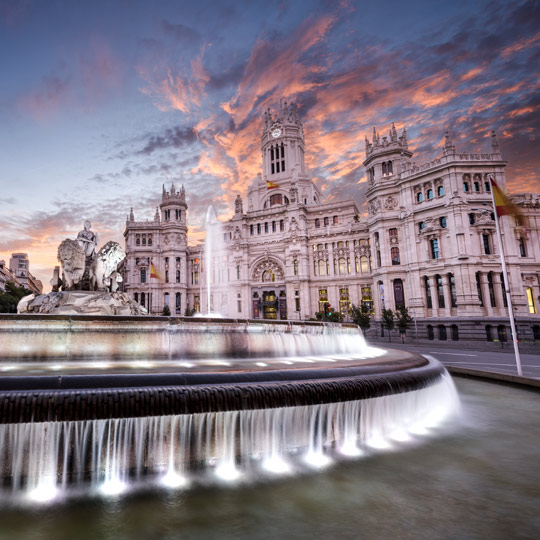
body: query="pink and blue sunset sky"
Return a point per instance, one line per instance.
(103, 102)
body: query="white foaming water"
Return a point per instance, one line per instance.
(46, 461)
(214, 250)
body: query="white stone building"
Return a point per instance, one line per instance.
(428, 242)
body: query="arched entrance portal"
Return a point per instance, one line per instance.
(269, 299)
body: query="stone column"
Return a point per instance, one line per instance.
(499, 294)
(485, 293)
(446, 293)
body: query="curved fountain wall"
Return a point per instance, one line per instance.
(92, 337)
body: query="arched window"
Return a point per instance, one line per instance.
(149, 239)
(143, 275)
(489, 336)
(379, 258)
(276, 198)
(487, 187)
(429, 194)
(476, 187)
(393, 232)
(421, 226)
(394, 253)
(442, 332)
(178, 276)
(419, 197)
(268, 276)
(442, 221)
(317, 223)
(136, 297)
(390, 168)
(178, 302)
(137, 239)
(440, 191)
(466, 187)
(384, 169)
(342, 266)
(322, 267)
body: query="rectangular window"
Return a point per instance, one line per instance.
(326, 221)
(428, 292)
(143, 275)
(297, 300)
(266, 227)
(251, 230)
(486, 244)
(258, 228)
(435, 254)
(440, 291)
(344, 304)
(491, 290)
(323, 298)
(452, 285)
(273, 226)
(281, 225)
(367, 298)
(530, 300)
(479, 289)
(335, 220)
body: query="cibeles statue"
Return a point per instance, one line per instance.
(87, 282)
(88, 240)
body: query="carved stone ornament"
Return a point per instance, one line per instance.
(374, 207)
(390, 203)
(268, 264)
(81, 303)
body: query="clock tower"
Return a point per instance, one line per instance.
(282, 144)
(284, 179)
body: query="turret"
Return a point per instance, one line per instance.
(173, 206)
(384, 156)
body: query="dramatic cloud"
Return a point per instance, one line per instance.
(181, 98)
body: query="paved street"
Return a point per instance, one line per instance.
(498, 362)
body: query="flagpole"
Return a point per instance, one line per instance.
(506, 281)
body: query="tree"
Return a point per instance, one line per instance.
(388, 321)
(403, 320)
(11, 297)
(166, 311)
(361, 316)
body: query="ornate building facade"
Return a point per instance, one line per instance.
(428, 242)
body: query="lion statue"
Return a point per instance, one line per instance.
(103, 273)
(72, 259)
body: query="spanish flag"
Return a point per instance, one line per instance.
(504, 206)
(271, 185)
(154, 273)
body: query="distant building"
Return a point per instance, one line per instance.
(428, 243)
(19, 266)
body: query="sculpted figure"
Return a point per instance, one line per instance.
(103, 274)
(72, 259)
(87, 240)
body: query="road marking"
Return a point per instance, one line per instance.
(452, 354)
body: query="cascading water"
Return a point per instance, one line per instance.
(233, 401)
(49, 459)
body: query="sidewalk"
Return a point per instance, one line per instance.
(463, 360)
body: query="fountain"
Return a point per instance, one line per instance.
(213, 250)
(101, 404)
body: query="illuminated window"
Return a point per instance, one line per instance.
(530, 300)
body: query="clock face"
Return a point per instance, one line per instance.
(276, 132)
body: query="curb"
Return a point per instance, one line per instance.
(516, 380)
